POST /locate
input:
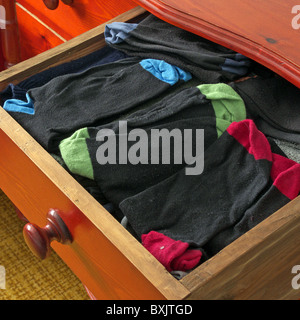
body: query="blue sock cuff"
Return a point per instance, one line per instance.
(16, 105)
(165, 71)
(117, 32)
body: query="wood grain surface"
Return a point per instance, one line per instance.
(35, 36)
(82, 15)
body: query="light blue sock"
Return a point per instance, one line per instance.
(165, 71)
(16, 105)
(117, 32)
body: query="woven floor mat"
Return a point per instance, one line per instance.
(25, 277)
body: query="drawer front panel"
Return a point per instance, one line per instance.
(35, 37)
(35, 183)
(82, 15)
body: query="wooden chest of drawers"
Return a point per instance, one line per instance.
(37, 28)
(106, 257)
(41, 29)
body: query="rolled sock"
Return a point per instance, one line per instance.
(75, 154)
(173, 255)
(94, 97)
(157, 39)
(117, 32)
(238, 65)
(227, 103)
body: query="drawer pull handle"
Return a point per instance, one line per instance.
(39, 239)
(53, 4)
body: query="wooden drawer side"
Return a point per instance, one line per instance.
(258, 265)
(105, 257)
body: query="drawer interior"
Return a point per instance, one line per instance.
(267, 252)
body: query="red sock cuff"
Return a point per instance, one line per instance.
(172, 254)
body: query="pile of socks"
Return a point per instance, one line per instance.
(155, 76)
(243, 182)
(209, 107)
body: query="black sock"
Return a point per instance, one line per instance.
(94, 97)
(188, 109)
(157, 39)
(273, 103)
(243, 182)
(97, 58)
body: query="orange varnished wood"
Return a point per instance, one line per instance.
(261, 30)
(1, 56)
(35, 37)
(82, 15)
(10, 34)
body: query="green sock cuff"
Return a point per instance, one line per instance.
(75, 154)
(227, 103)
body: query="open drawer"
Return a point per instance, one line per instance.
(108, 260)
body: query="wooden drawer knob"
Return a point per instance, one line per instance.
(39, 239)
(53, 4)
